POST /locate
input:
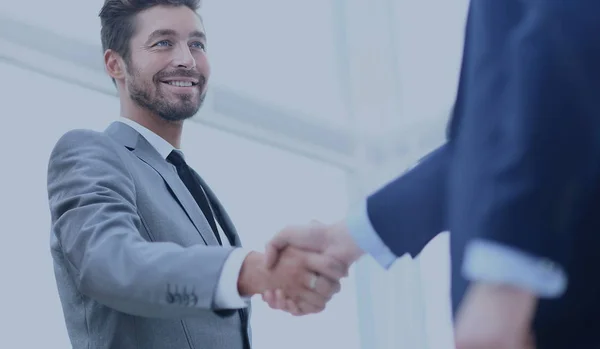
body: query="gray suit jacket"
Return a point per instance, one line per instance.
(136, 262)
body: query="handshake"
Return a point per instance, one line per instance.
(301, 268)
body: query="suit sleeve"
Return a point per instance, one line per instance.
(527, 151)
(410, 211)
(92, 202)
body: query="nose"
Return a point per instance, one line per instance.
(184, 58)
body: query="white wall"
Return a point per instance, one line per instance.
(35, 112)
(262, 187)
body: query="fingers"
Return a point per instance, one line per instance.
(310, 238)
(271, 255)
(297, 308)
(302, 267)
(277, 300)
(308, 308)
(293, 308)
(305, 301)
(295, 274)
(271, 298)
(309, 302)
(323, 286)
(279, 242)
(314, 300)
(287, 304)
(326, 266)
(283, 303)
(327, 287)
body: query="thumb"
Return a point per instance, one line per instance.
(309, 238)
(279, 242)
(271, 255)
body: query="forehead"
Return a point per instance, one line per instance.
(179, 19)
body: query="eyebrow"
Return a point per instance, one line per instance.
(198, 35)
(170, 32)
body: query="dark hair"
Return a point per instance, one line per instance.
(117, 18)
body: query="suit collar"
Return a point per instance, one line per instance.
(134, 141)
(163, 147)
(123, 134)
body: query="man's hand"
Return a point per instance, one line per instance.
(495, 317)
(333, 241)
(308, 279)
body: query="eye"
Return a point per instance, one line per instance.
(163, 43)
(198, 45)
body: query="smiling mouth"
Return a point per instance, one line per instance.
(181, 83)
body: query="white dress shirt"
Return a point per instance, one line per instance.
(484, 260)
(227, 295)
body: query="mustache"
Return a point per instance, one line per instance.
(182, 73)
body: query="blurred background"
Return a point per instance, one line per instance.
(313, 104)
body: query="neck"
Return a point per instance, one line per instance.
(167, 130)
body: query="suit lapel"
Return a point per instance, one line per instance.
(145, 152)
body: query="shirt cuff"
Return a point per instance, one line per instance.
(489, 261)
(227, 295)
(365, 236)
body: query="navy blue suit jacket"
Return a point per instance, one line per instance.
(521, 165)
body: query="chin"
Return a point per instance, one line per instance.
(179, 114)
(175, 117)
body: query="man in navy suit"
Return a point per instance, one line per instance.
(517, 184)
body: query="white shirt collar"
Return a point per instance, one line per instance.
(163, 147)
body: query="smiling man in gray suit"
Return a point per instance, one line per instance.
(144, 254)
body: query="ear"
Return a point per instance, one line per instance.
(114, 64)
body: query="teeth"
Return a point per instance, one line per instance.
(180, 83)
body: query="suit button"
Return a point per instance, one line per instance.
(177, 298)
(193, 299)
(170, 298)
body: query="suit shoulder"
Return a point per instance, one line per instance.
(86, 152)
(82, 146)
(82, 139)
(78, 137)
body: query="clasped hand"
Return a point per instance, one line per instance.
(316, 257)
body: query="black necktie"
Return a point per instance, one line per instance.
(187, 177)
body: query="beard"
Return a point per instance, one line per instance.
(151, 96)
